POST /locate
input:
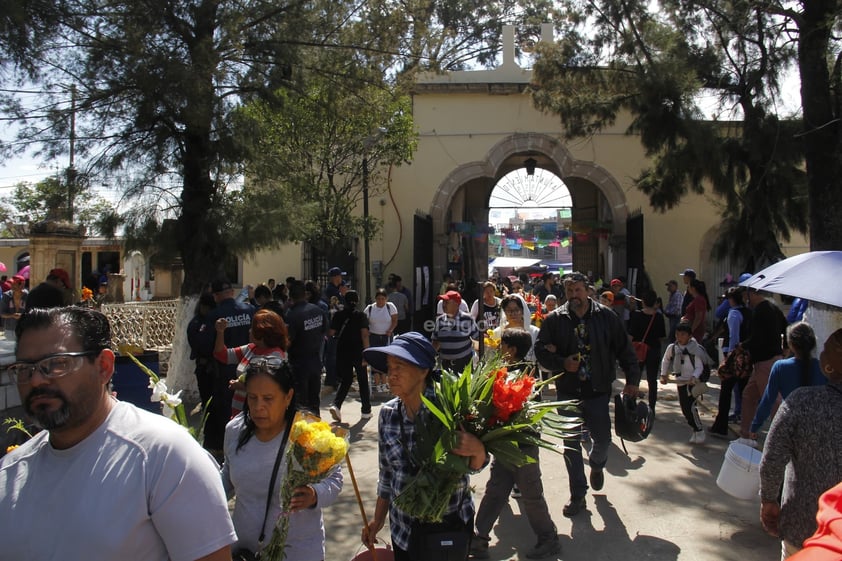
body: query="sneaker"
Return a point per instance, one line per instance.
(747, 441)
(479, 547)
(334, 412)
(516, 494)
(365, 416)
(698, 437)
(597, 479)
(735, 418)
(574, 506)
(544, 549)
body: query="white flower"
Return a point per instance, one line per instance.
(159, 389)
(170, 401)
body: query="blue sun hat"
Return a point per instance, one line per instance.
(412, 347)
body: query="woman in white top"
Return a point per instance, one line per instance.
(382, 320)
(516, 316)
(486, 310)
(252, 441)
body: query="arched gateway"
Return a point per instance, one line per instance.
(597, 197)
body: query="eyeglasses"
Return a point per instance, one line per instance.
(515, 310)
(51, 366)
(265, 363)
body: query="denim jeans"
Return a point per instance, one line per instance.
(597, 420)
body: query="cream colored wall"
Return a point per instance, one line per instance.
(276, 264)
(456, 129)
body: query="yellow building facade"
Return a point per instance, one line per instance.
(473, 128)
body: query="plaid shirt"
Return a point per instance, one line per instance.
(396, 471)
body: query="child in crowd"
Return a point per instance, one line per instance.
(514, 345)
(685, 360)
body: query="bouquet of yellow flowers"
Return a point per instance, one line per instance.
(501, 408)
(314, 451)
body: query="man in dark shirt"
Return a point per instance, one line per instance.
(238, 315)
(768, 326)
(584, 340)
(307, 324)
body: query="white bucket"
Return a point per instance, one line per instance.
(739, 475)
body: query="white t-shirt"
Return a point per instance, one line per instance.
(246, 474)
(380, 319)
(139, 487)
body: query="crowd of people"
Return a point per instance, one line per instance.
(267, 352)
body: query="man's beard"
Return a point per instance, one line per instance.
(45, 418)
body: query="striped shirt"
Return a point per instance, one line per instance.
(455, 335)
(241, 357)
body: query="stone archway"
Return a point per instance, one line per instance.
(503, 157)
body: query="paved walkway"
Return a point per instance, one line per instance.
(661, 502)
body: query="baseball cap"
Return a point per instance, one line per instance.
(18, 278)
(334, 271)
(615, 282)
(412, 347)
(451, 295)
(744, 277)
(608, 295)
(220, 285)
(689, 273)
(671, 282)
(61, 275)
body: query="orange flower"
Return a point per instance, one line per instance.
(12, 447)
(509, 396)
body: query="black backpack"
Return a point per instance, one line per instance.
(633, 419)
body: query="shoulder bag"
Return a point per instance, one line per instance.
(641, 348)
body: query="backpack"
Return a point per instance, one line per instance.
(633, 419)
(706, 361)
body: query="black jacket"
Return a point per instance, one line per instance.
(608, 340)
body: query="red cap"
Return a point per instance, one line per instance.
(62, 276)
(451, 295)
(616, 281)
(18, 278)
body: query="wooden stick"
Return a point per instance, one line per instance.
(359, 500)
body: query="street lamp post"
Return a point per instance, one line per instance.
(366, 255)
(367, 144)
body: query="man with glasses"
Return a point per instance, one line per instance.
(104, 480)
(583, 340)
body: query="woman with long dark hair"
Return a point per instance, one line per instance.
(697, 309)
(253, 441)
(788, 374)
(648, 326)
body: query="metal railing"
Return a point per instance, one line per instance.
(148, 325)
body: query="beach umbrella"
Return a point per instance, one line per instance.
(810, 275)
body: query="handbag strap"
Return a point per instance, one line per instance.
(649, 327)
(275, 469)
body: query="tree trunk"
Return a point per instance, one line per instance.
(823, 142)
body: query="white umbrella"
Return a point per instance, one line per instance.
(815, 276)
